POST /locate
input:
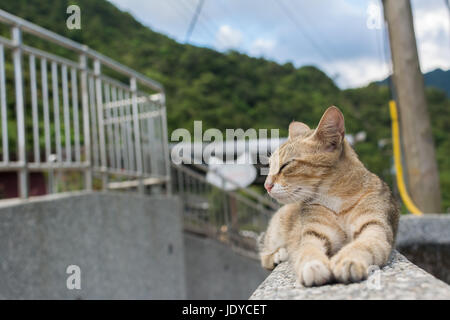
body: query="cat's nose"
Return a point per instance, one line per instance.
(268, 186)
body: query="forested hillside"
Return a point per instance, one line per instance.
(437, 78)
(233, 90)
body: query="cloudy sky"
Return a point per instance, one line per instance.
(342, 37)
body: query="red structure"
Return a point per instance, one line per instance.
(9, 184)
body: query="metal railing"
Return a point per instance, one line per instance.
(59, 113)
(234, 217)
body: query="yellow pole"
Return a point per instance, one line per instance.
(398, 163)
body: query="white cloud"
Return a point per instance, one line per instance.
(346, 45)
(228, 38)
(358, 71)
(261, 47)
(432, 28)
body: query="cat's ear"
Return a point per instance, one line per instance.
(331, 128)
(297, 128)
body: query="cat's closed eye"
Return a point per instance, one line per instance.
(284, 165)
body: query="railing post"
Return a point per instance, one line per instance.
(20, 113)
(57, 83)
(225, 204)
(180, 180)
(165, 143)
(86, 128)
(4, 110)
(46, 116)
(101, 127)
(137, 135)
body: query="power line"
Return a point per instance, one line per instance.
(302, 30)
(204, 27)
(379, 39)
(206, 19)
(194, 19)
(207, 22)
(310, 23)
(185, 11)
(388, 60)
(179, 10)
(447, 3)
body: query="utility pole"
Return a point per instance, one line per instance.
(418, 146)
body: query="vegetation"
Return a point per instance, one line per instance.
(233, 90)
(437, 78)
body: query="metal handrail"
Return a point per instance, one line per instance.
(252, 194)
(128, 140)
(227, 215)
(119, 132)
(51, 36)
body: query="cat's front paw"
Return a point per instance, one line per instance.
(269, 261)
(350, 268)
(280, 256)
(314, 273)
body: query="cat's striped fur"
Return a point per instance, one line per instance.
(338, 218)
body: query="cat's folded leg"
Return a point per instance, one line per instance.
(371, 246)
(310, 262)
(270, 260)
(272, 249)
(280, 256)
(321, 236)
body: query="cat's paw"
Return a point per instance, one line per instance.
(280, 256)
(350, 268)
(269, 261)
(314, 273)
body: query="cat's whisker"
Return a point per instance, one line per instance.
(293, 196)
(298, 195)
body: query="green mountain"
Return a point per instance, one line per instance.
(233, 90)
(437, 78)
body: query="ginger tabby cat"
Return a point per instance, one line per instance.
(338, 218)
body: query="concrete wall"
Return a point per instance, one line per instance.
(130, 246)
(127, 246)
(425, 240)
(215, 271)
